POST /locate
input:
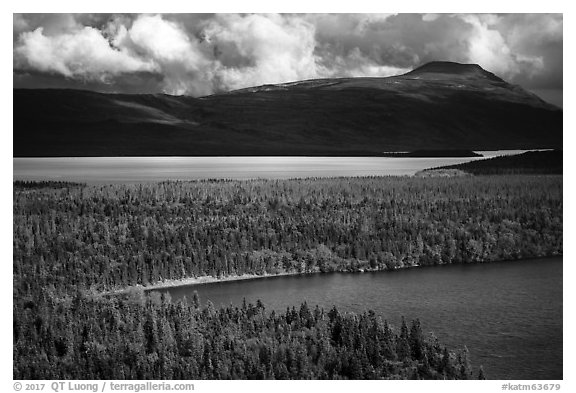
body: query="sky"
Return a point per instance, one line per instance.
(202, 54)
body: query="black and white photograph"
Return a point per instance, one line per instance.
(287, 196)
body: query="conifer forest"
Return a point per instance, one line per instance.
(82, 255)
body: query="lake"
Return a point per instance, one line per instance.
(147, 169)
(508, 314)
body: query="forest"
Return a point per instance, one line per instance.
(110, 237)
(545, 162)
(150, 337)
(74, 243)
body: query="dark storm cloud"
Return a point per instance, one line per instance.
(202, 53)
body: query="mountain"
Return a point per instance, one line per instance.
(440, 105)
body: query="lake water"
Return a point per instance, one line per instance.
(508, 314)
(144, 169)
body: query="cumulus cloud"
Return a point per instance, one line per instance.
(148, 44)
(488, 47)
(204, 53)
(84, 53)
(539, 39)
(257, 49)
(178, 57)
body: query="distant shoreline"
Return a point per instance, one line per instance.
(477, 153)
(432, 153)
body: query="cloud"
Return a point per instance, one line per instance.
(258, 49)
(402, 41)
(179, 58)
(536, 36)
(199, 54)
(489, 48)
(84, 53)
(147, 44)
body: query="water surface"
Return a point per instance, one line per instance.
(508, 314)
(144, 169)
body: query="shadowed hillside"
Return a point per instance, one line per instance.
(532, 162)
(437, 106)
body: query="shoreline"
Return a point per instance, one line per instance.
(202, 280)
(190, 281)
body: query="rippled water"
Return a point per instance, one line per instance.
(508, 314)
(138, 169)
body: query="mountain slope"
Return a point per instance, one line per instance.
(440, 105)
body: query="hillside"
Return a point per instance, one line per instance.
(440, 105)
(532, 162)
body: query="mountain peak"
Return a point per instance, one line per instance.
(441, 106)
(443, 69)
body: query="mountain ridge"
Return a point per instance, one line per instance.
(439, 105)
